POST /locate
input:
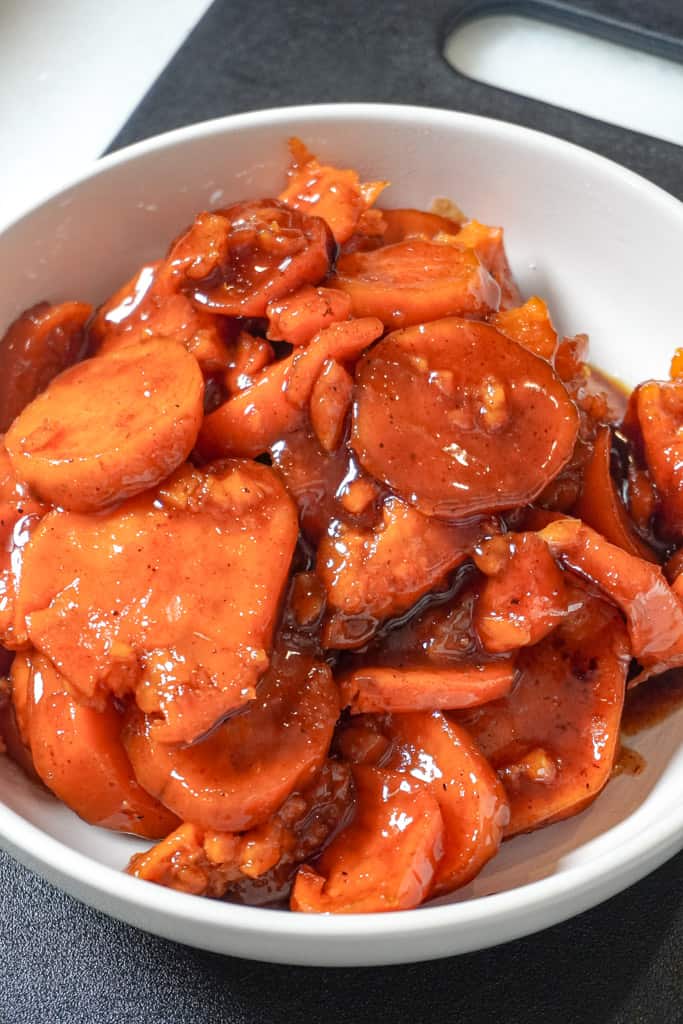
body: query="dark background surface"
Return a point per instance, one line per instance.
(616, 964)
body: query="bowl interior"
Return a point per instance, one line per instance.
(600, 244)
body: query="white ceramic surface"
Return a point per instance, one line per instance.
(604, 247)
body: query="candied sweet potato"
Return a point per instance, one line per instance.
(42, 342)
(379, 688)
(459, 420)
(330, 403)
(331, 193)
(275, 405)
(524, 596)
(529, 325)
(659, 407)
(243, 771)
(599, 503)
(402, 224)
(373, 575)
(236, 260)
(298, 317)
(172, 596)
(553, 739)
(78, 754)
(489, 246)
(20, 512)
(385, 859)
(109, 428)
(414, 281)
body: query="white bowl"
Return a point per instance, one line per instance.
(604, 247)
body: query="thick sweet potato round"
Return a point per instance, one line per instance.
(111, 427)
(459, 420)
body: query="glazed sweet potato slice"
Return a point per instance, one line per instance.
(385, 859)
(20, 512)
(173, 596)
(380, 688)
(330, 403)
(529, 325)
(599, 504)
(42, 342)
(416, 281)
(298, 317)
(459, 420)
(130, 306)
(275, 405)
(78, 754)
(109, 428)
(237, 260)
(653, 612)
(336, 195)
(553, 739)
(374, 574)
(402, 224)
(524, 596)
(440, 756)
(659, 407)
(243, 771)
(489, 246)
(256, 866)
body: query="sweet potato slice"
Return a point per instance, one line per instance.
(250, 422)
(653, 612)
(129, 307)
(599, 504)
(553, 739)
(659, 407)
(173, 596)
(78, 754)
(379, 688)
(415, 281)
(385, 859)
(524, 596)
(20, 513)
(298, 317)
(248, 356)
(331, 193)
(42, 342)
(459, 420)
(109, 428)
(243, 771)
(330, 403)
(529, 325)
(257, 866)
(489, 246)
(235, 261)
(440, 756)
(407, 223)
(373, 575)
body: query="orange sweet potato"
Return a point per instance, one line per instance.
(599, 504)
(385, 859)
(240, 774)
(654, 614)
(129, 308)
(110, 427)
(406, 223)
(379, 688)
(20, 512)
(40, 343)
(659, 407)
(459, 420)
(173, 596)
(415, 281)
(78, 754)
(248, 355)
(331, 193)
(330, 402)
(489, 246)
(296, 318)
(250, 422)
(553, 739)
(373, 575)
(524, 596)
(529, 325)
(235, 261)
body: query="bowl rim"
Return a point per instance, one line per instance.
(622, 863)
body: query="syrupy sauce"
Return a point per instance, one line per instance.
(628, 762)
(652, 702)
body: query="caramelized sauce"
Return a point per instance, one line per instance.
(628, 762)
